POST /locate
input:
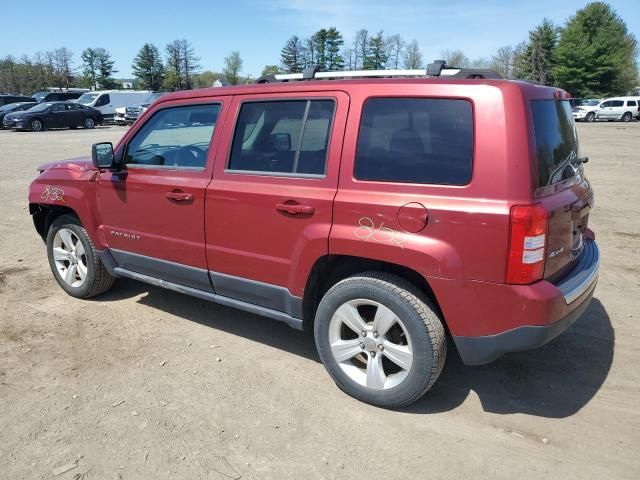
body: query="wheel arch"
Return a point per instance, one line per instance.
(44, 214)
(330, 269)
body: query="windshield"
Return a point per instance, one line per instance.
(39, 96)
(87, 98)
(8, 107)
(556, 140)
(40, 107)
(590, 103)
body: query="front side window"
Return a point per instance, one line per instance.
(415, 140)
(290, 137)
(103, 100)
(176, 137)
(57, 107)
(617, 103)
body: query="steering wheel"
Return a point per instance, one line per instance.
(189, 156)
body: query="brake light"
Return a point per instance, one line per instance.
(527, 243)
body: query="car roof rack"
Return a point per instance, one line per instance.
(438, 68)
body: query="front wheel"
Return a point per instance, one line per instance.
(590, 117)
(89, 123)
(36, 125)
(74, 260)
(379, 339)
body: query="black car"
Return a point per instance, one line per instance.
(14, 107)
(54, 115)
(6, 99)
(41, 97)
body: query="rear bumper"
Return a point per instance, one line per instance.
(528, 315)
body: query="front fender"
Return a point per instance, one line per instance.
(71, 189)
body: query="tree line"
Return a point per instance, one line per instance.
(592, 54)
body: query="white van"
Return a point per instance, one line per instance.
(108, 100)
(614, 108)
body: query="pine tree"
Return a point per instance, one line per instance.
(174, 66)
(89, 66)
(104, 67)
(292, 56)
(376, 57)
(596, 55)
(538, 61)
(148, 68)
(319, 40)
(334, 43)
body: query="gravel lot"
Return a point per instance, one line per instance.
(146, 383)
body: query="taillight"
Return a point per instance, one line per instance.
(527, 243)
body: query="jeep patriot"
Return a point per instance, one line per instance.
(382, 214)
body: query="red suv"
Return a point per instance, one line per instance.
(383, 214)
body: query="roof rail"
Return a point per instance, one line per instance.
(438, 68)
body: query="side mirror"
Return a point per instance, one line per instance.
(102, 155)
(281, 142)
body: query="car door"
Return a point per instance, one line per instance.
(74, 115)
(269, 206)
(617, 109)
(55, 117)
(152, 211)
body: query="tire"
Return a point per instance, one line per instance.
(590, 117)
(627, 117)
(89, 123)
(414, 335)
(36, 125)
(81, 254)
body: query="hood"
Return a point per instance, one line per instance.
(81, 164)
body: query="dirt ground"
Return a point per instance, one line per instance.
(145, 383)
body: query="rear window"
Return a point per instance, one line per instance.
(415, 140)
(556, 140)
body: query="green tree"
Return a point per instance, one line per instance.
(89, 67)
(270, 70)
(174, 79)
(334, 42)
(147, 67)
(539, 59)
(596, 54)
(105, 68)
(376, 58)
(232, 68)
(292, 56)
(319, 40)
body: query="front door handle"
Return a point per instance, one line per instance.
(295, 208)
(179, 196)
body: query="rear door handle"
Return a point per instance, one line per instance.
(179, 196)
(295, 208)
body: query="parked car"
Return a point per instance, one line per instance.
(381, 214)
(54, 115)
(58, 96)
(6, 99)
(619, 108)
(586, 110)
(14, 107)
(108, 101)
(128, 115)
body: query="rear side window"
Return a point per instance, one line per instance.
(556, 140)
(415, 140)
(631, 103)
(282, 137)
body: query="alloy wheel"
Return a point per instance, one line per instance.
(70, 257)
(370, 344)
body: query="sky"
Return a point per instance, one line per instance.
(259, 29)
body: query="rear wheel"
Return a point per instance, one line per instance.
(89, 122)
(74, 260)
(36, 125)
(590, 117)
(379, 339)
(627, 117)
